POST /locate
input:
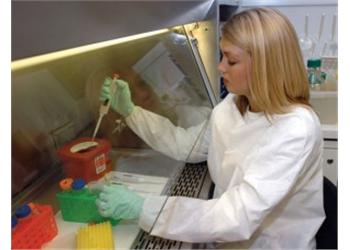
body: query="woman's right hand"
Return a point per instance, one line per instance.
(120, 98)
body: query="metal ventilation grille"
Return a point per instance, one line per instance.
(190, 181)
(188, 184)
(144, 241)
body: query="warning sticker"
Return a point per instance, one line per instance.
(100, 163)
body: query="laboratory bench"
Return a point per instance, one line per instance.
(324, 99)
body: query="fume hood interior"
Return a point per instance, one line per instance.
(58, 101)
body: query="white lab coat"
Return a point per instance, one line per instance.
(268, 177)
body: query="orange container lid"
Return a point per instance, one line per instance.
(66, 183)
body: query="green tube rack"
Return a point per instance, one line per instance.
(80, 206)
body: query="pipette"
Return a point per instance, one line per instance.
(104, 107)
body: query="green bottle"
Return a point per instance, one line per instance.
(315, 75)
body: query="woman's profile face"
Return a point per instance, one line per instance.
(235, 68)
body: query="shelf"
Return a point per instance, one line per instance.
(330, 131)
(323, 94)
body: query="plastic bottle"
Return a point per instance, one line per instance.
(78, 185)
(23, 212)
(314, 72)
(66, 184)
(14, 222)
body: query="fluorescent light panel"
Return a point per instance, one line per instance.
(35, 60)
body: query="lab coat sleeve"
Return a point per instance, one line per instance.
(269, 174)
(190, 145)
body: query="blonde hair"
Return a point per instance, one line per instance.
(278, 78)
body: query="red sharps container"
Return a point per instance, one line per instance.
(87, 159)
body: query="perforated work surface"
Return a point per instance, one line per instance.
(188, 184)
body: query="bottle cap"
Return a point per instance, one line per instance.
(78, 184)
(66, 184)
(23, 211)
(314, 63)
(13, 221)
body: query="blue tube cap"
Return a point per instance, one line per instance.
(23, 211)
(78, 184)
(13, 221)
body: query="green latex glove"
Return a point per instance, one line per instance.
(119, 202)
(121, 98)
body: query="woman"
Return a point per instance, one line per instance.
(263, 146)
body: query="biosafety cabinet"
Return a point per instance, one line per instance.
(61, 53)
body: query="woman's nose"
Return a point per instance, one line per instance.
(221, 67)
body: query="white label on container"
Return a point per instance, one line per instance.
(100, 163)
